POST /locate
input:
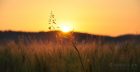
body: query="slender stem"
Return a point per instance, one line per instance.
(79, 56)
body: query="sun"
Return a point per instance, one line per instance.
(65, 28)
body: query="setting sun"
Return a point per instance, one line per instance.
(65, 28)
(103, 17)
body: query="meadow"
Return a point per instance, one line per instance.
(59, 56)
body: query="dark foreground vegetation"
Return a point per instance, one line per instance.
(48, 52)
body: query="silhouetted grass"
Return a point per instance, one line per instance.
(61, 57)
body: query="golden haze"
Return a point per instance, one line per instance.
(107, 17)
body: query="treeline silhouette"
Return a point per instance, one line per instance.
(52, 36)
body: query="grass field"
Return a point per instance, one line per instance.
(39, 56)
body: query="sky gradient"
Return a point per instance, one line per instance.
(105, 17)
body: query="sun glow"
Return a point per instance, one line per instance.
(65, 28)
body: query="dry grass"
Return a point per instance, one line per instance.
(59, 57)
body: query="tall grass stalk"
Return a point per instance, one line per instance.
(80, 58)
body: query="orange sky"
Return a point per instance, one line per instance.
(106, 17)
